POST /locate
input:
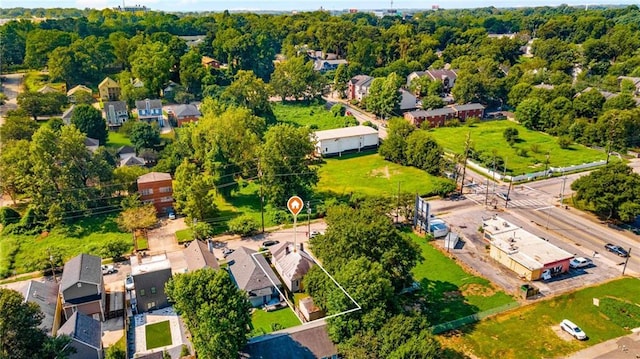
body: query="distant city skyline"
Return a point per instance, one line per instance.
(288, 5)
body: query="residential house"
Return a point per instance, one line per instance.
(435, 117)
(309, 310)
(310, 341)
(137, 83)
(634, 80)
(469, 110)
(606, 94)
(115, 113)
(408, 102)
(71, 94)
(150, 110)
(156, 188)
(109, 90)
(86, 336)
(414, 75)
(291, 263)
(127, 155)
(359, 87)
(327, 65)
(45, 295)
(347, 139)
(47, 89)
(187, 113)
(91, 144)
(199, 254)
(150, 274)
(447, 77)
(209, 62)
(169, 92)
(82, 287)
(67, 114)
(253, 274)
(193, 40)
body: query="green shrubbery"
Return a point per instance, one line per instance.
(626, 315)
(243, 225)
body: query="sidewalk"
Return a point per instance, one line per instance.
(626, 347)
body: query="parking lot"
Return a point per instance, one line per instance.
(465, 220)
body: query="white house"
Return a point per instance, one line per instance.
(335, 142)
(292, 263)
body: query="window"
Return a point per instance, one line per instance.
(142, 292)
(153, 290)
(165, 189)
(146, 191)
(150, 305)
(166, 199)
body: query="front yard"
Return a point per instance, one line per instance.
(266, 322)
(532, 331)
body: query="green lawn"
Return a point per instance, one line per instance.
(452, 292)
(305, 115)
(26, 253)
(370, 174)
(504, 336)
(267, 322)
(34, 80)
(488, 136)
(158, 334)
(117, 139)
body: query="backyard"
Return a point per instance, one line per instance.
(26, 253)
(117, 139)
(528, 153)
(158, 334)
(300, 114)
(266, 322)
(537, 324)
(451, 292)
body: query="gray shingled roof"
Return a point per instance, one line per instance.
(152, 104)
(407, 101)
(435, 112)
(187, 111)
(301, 342)
(88, 141)
(467, 107)
(45, 295)
(440, 73)
(118, 106)
(246, 272)
(197, 256)
(83, 268)
(293, 264)
(84, 329)
(132, 161)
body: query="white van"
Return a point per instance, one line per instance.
(575, 331)
(438, 228)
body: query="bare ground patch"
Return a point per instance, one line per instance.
(381, 172)
(478, 290)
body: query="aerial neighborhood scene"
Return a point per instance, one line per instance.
(347, 179)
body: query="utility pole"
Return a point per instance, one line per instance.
(398, 204)
(308, 219)
(53, 270)
(486, 196)
(626, 261)
(564, 181)
(467, 146)
(261, 196)
(506, 200)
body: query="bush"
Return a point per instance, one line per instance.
(8, 216)
(511, 135)
(244, 225)
(369, 124)
(522, 152)
(115, 249)
(278, 216)
(337, 110)
(564, 142)
(452, 123)
(313, 126)
(350, 121)
(535, 148)
(472, 121)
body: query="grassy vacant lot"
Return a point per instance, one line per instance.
(528, 332)
(158, 334)
(34, 80)
(452, 292)
(267, 322)
(26, 253)
(488, 136)
(370, 174)
(300, 114)
(117, 139)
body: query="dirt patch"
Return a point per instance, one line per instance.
(561, 333)
(478, 290)
(452, 295)
(381, 172)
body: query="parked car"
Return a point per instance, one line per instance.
(269, 243)
(580, 262)
(504, 196)
(128, 283)
(315, 234)
(108, 269)
(575, 331)
(616, 250)
(227, 251)
(172, 214)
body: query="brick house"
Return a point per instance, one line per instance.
(435, 118)
(82, 287)
(109, 90)
(359, 87)
(187, 113)
(156, 188)
(469, 110)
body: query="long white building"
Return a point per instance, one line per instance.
(348, 139)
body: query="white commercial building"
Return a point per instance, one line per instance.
(335, 142)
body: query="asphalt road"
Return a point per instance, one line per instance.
(11, 87)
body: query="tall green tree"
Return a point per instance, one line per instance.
(215, 311)
(424, 152)
(192, 72)
(37, 104)
(341, 80)
(194, 193)
(144, 135)
(151, 64)
(285, 163)
(15, 168)
(17, 126)
(395, 146)
(384, 97)
(89, 121)
(40, 43)
(296, 78)
(530, 112)
(249, 91)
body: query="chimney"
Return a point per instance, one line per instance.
(302, 247)
(210, 246)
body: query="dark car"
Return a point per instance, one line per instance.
(269, 243)
(504, 196)
(616, 250)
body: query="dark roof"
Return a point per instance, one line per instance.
(81, 268)
(84, 329)
(439, 74)
(125, 149)
(45, 295)
(156, 355)
(467, 107)
(152, 104)
(363, 80)
(247, 273)
(430, 113)
(88, 141)
(197, 256)
(301, 342)
(118, 106)
(187, 111)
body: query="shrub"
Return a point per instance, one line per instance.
(243, 225)
(114, 249)
(369, 124)
(350, 121)
(278, 216)
(522, 152)
(337, 110)
(535, 148)
(8, 216)
(452, 123)
(564, 142)
(313, 126)
(511, 135)
(472, 121)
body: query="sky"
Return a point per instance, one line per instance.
(218, 5)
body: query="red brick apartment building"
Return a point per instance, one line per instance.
(156, 188)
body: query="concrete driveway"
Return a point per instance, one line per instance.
(11, 87)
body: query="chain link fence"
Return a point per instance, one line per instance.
(455, 324)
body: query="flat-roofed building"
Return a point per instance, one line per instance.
(348, 139)
(150, 274)
(530, 256)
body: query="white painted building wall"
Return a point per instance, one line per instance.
(352, 139)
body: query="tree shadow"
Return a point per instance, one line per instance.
(444, 302)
